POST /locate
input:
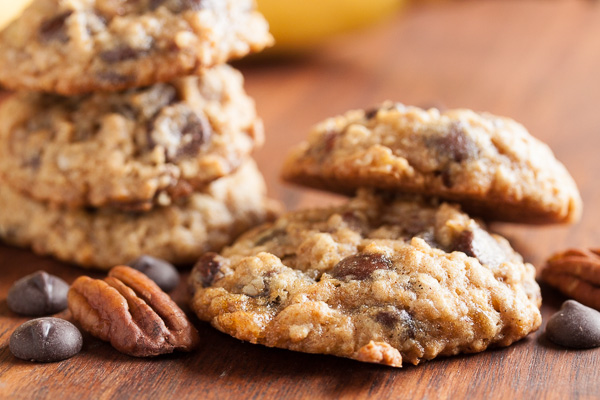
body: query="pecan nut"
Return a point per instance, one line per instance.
(576, 273)
(131, 312)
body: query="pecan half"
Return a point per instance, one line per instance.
(131, 312)
(576, 273)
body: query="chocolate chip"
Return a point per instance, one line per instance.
(371, 113)
(575, 326)
(163, 273)
(154, 4)
(208, 266)
(361, 266)
(456, 144)
(269, 235)
(194, 5)
(194, 134)
(54, 28)
(397, 320)
(122, 53)
(38, 294)
(330, 139)
(45, 340)
(481, 245)
(114, 78)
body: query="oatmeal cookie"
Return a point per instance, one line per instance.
(490, 165)
(205, 221)
(132, 149)
(79, 46)
(377, 279)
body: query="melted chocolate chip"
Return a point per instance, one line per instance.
(207, 266)
(123, 53)
(194, 5)
(456, 144)
(361, 266)
(194, 134)
(54, 28)
(481, 245)
(575, 326)
(397, 320)
(114, 78)
(38, 294)
(160, 271)
(45, 340)
(269, 235)
(371, 113)
(154, 4)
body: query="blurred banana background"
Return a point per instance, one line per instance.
(296, 24)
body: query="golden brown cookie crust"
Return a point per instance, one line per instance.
(79, 46)
(101, 238)
(375, 280)
(490, 165)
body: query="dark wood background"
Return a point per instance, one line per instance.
(535, 61)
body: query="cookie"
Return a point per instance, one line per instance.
(377, 280)
(490, 165)
(132, 149)
(205, 221)
(79, 46)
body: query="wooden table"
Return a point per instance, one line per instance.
(535, 61)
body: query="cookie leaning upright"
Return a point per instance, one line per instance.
(490, 165)
(79, 46)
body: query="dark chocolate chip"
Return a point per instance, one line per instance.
(361, 266)
(575, 326)
(371, 113)
(397, 320)
(163, 273)
(481, 245)
(54, 28)
(122, 53)
(38, 294)
(45, 340)
(115, 78)
(154, 4)
(207, 266)
(195, 133)
(269, 235)
(456, 144)
(194, 5)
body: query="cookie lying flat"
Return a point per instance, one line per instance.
(79, 46)
(374, 280)
(490, 165)
(205, 221)
(131, 149)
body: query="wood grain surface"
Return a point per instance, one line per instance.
(535, 61)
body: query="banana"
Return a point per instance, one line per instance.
(299, 24)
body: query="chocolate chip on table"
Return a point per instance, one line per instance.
(481, 245)
(163, 273)
(45, 340)
(574, 325)
(38, 294)
(361, 266)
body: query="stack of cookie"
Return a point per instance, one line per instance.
(127, 133)
(399, 272)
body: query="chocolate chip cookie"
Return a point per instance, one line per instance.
(378, 279)
(490, 165)
(101, 238)
(132, 149)
(79, 46)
